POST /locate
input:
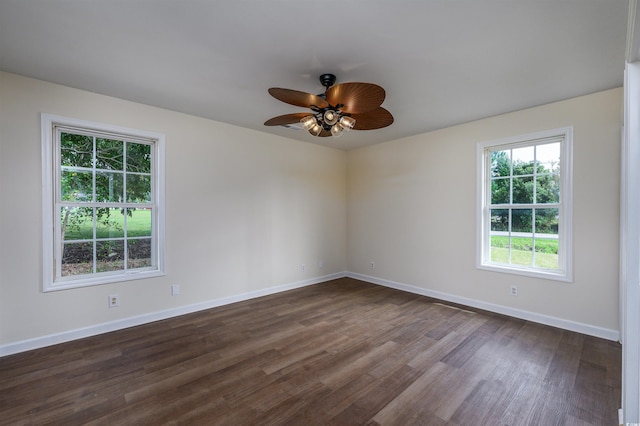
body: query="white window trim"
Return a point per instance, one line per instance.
(565, 233)
(48, 121)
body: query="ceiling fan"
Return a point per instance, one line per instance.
(341, 107)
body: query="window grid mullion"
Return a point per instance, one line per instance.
(525, 206)
(126, 240)
(125, 215)
(533, 230)
(94, 242)
(94, 198)
(510, 235)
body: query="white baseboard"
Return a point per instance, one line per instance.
(587, 329)
(79, 333)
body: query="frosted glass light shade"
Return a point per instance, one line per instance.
(347, 122)
(331, 117)
(315, 129)
(308, 122)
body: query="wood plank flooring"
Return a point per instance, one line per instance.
(338, 353)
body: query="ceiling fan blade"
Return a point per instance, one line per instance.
(356, 97)
(376, 119)
(281, 120)
(297, 98)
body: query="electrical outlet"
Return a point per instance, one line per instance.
(114, 300)
(175, 289)
(304, 267)
(373, 265)
(321, 264)
(514, 290)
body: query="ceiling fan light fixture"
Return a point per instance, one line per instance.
(315, 129)
(347, 122)
(331, 117)
(336, 130)
(308, 122)
(311, 125)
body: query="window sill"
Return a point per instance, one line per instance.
(105, 279)
(528, 272)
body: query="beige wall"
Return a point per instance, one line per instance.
(244, 211)
(412, 211)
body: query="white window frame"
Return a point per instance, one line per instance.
(565, 232)
(50, 187)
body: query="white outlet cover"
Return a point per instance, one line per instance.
(114, 300)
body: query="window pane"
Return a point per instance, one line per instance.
(522, 220)
(548, 157)
(76, 185)
(546, 253)
(138, 188)
(499, 249)
(522, 251)
(139, 253)
(547, 189)
(109, 255)
(500, 191)
(138, 157)
(109, 154)
(547, 221)
(499, 220)
(523, 160)
(76, 223)
(139, 222)
(76, 150)
(523, 190)
(523, 169)
(77, 259)
(500, 163)
(109, 187)
(109, 223)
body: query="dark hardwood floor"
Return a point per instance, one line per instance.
(343, 352)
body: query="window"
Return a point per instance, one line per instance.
(103, 209)
(524, 205)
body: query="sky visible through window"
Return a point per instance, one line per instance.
(546, 154)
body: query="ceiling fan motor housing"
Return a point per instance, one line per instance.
(327, 80)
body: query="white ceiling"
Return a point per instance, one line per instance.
(441, 62)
